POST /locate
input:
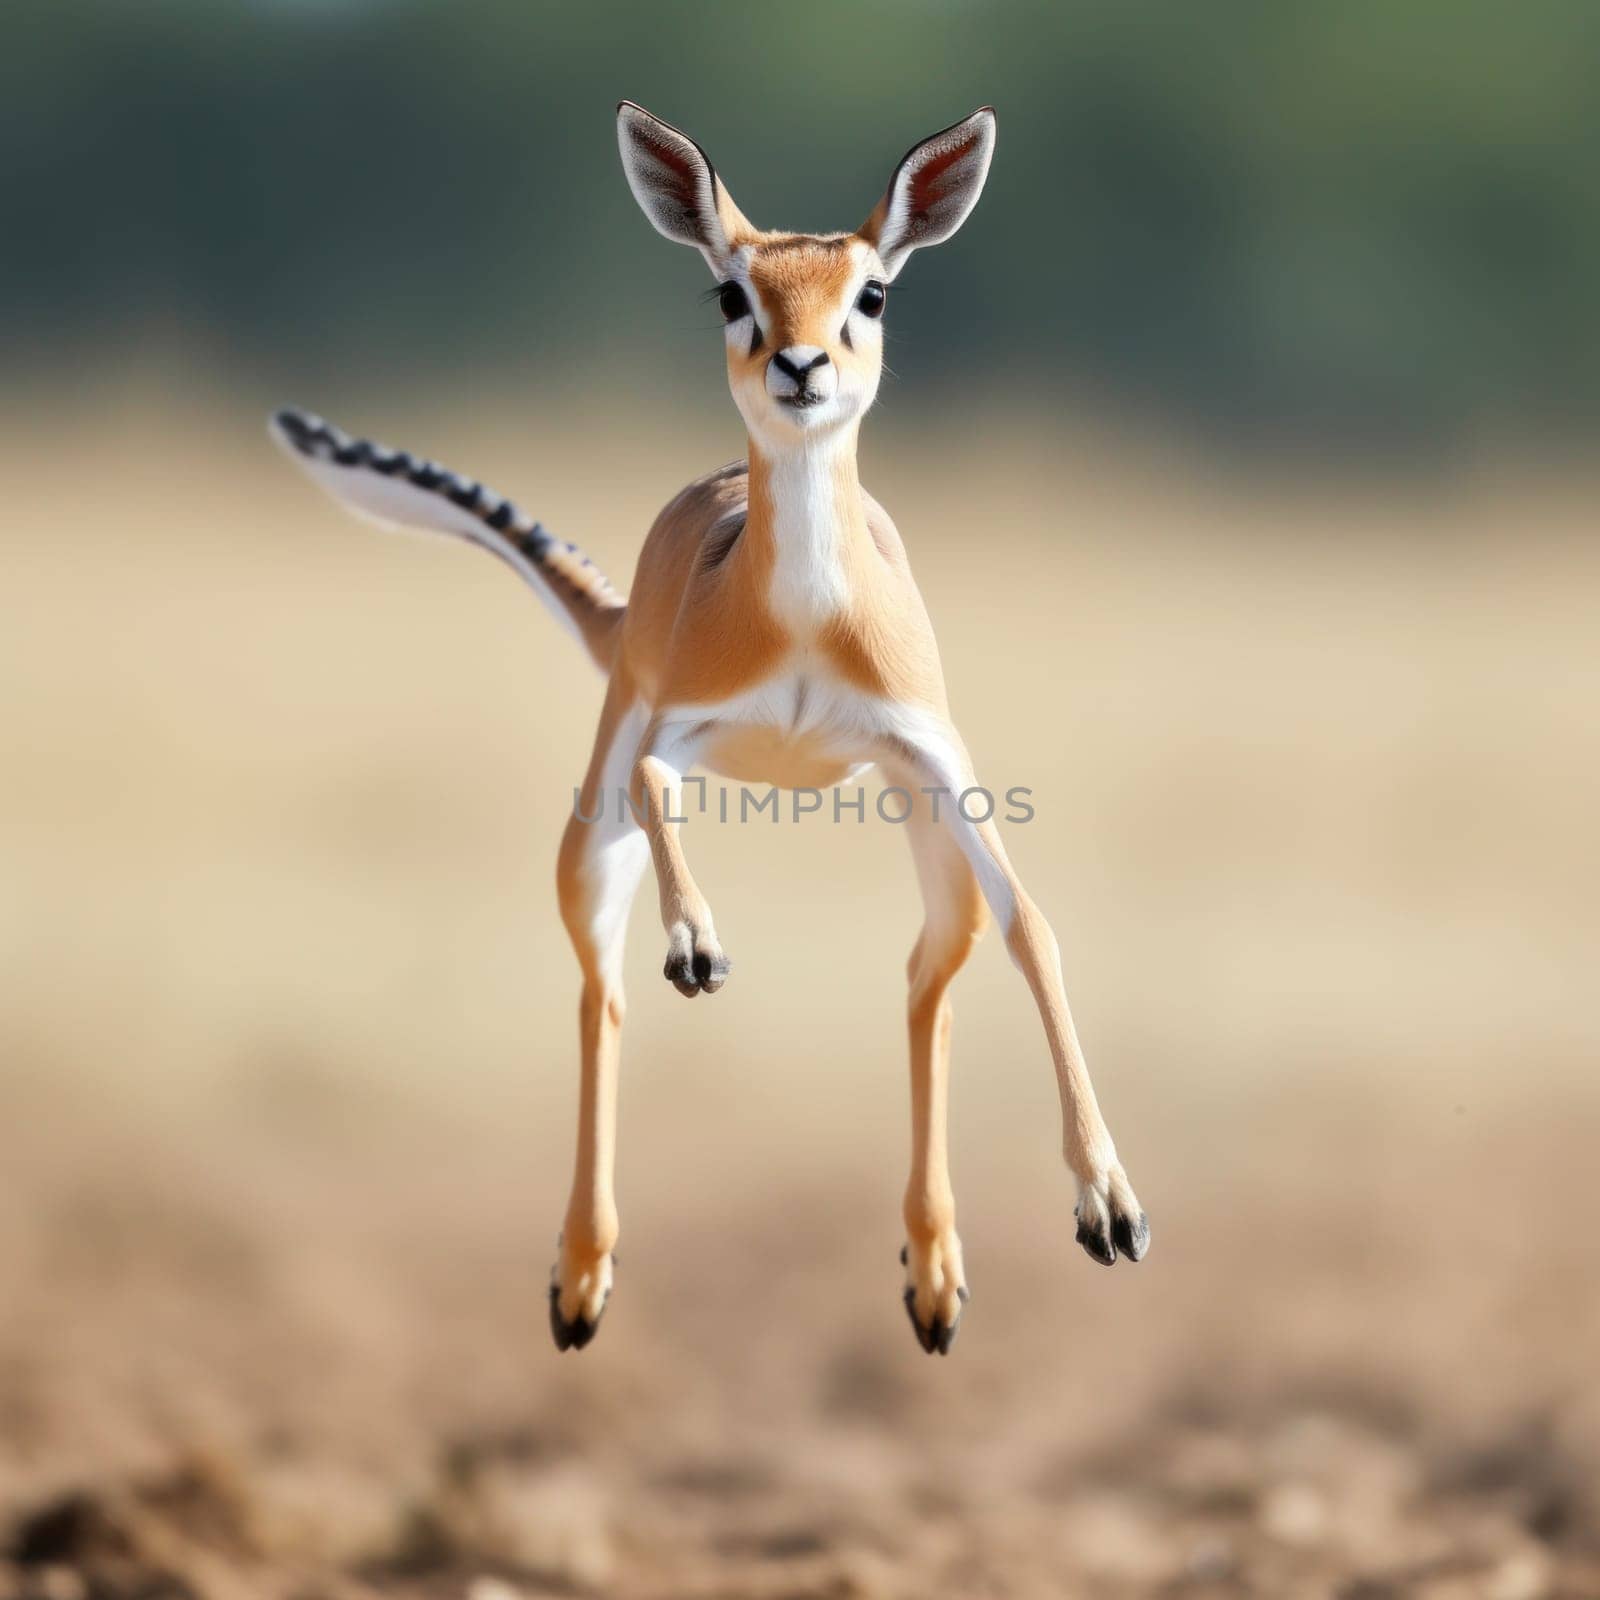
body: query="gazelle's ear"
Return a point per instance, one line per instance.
(677, 187)
(932, 191)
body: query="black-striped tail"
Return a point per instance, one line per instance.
(396, 489)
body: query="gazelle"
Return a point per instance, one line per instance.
(774, 634)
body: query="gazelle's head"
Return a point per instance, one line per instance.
(804, 312)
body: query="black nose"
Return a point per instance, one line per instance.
(795, 370)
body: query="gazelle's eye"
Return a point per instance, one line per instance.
(732, 302)
(872, 299)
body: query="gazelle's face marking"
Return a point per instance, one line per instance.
(804, 333)
(805, 348)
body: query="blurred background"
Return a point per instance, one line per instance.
(1265, 376)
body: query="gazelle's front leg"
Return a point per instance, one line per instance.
(928, 753)
(695, 960)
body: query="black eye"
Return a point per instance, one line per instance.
(732, 302)
(872, 299)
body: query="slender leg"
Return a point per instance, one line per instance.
(953, 921)
(598, 873)
(930, 753)
(695, 960)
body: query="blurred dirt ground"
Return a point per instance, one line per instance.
(287, 1053)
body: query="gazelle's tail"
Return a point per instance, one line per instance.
(396, 489)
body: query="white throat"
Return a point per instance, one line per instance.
(807, 482)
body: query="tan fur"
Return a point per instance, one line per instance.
(698, 632)
(800, 277)
(775, 634)
(594, 606)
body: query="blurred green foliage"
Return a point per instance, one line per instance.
(1350, 219)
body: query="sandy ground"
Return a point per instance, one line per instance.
(287, 1056)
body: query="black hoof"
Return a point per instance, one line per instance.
(1129, 1234)
(1097, 1242)
(939, 1336)
(576, 1334)
(694, 971)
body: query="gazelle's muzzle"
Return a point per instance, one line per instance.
(802, 375)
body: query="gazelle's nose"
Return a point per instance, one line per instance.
(801, 374)
(799, 360)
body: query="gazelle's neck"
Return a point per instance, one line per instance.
(805, 509)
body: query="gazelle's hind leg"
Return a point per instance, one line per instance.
(1109, 1218)
(954, 919)
(598, 874)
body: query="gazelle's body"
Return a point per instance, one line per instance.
(774, 634)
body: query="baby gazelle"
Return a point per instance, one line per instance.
(774, 635)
